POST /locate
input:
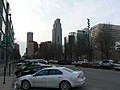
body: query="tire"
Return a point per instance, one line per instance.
(25, 85)
(112, 67)
(65, 85)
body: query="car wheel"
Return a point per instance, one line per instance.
(25, 85)
(112, 67)
(65, 85)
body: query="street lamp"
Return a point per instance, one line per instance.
(6, 43)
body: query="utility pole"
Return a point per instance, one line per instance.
(89, 45)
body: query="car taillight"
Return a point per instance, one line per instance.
(79, 76)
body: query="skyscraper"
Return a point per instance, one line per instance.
(29, 37)
(57, 33)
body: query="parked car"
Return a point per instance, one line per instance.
(30, 69)
(38, 61)
(53, 77)
(52, 61)
(86, 64)
(97, 64)
(79, 62)
(107, 63)
(64, 62)
(117, 65)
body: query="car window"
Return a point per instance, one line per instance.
(69, 70)
(36, 69)
(55, 72)
(42, 72)
(45, 66)
(105, 61)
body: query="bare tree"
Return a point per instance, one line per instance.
(104, 41)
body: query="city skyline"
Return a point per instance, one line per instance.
(38, 16)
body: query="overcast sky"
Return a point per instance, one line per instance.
(38, 16)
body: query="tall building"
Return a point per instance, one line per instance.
(82, 37)
(75, 44)
(32, 48)
(70, 39)
(113, 30)
(45, 50)
(29, 37)
(16, 51)
(57, 33)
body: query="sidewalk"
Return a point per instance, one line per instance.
(9, 80)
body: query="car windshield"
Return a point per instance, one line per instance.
(105, 61)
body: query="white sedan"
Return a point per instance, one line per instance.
(52, 77)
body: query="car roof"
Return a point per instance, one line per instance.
(54, 68)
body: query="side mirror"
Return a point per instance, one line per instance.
(34, 75)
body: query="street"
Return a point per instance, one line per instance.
(97, 79)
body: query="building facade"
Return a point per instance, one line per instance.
(113, 30)
(76, 45)
(57, 39)
(57, 33)
(105, 38)
(32, 48)
(29, 37)
(46, 50)
(6, 32)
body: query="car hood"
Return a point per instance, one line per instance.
(25, 77)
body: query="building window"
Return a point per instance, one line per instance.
(3, 26)
(4, 14)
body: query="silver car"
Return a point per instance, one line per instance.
(117, 65)
(53, 77)
(107, 63)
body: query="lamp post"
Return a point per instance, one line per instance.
(6, 43)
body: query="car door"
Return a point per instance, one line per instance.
(39, 78)
(54, 77)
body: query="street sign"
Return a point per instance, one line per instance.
(8, 41)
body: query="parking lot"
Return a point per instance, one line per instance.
(96, 79)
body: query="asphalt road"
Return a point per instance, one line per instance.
(99, 79)
(96, 79)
